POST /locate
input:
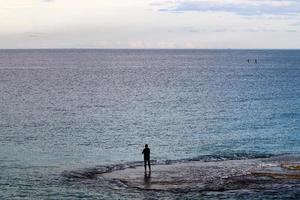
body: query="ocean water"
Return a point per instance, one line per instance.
(63, 110)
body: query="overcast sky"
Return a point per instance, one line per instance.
(149, 24)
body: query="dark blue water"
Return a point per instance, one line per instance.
(68, 109)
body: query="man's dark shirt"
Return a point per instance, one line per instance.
(146, 153)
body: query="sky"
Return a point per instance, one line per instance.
(201, 24)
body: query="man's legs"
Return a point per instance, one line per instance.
(149, 165)
(145, 164)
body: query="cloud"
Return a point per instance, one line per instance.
(35, 34)
(238, 7)
(190, 29)
(292, 31)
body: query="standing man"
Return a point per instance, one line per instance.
(146, 153)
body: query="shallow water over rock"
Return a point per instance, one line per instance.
(199, 176)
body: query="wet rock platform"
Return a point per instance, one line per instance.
(265, 173)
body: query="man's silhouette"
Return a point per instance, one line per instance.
(146, 153)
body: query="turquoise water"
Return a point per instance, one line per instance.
(74, 109)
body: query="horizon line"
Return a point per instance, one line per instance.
(149, 49)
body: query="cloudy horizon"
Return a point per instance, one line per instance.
(201, 24)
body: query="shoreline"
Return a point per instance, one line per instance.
(260, 173)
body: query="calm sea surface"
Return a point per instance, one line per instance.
(63, 110)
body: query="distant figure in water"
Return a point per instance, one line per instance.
(255, 61)
(146, 153)
(248, 61)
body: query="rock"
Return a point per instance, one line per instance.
(212, 176)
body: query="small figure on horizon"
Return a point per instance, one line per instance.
(248, 60)
(255, 61)
(146, 153)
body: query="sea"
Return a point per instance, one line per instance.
(63, 110)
